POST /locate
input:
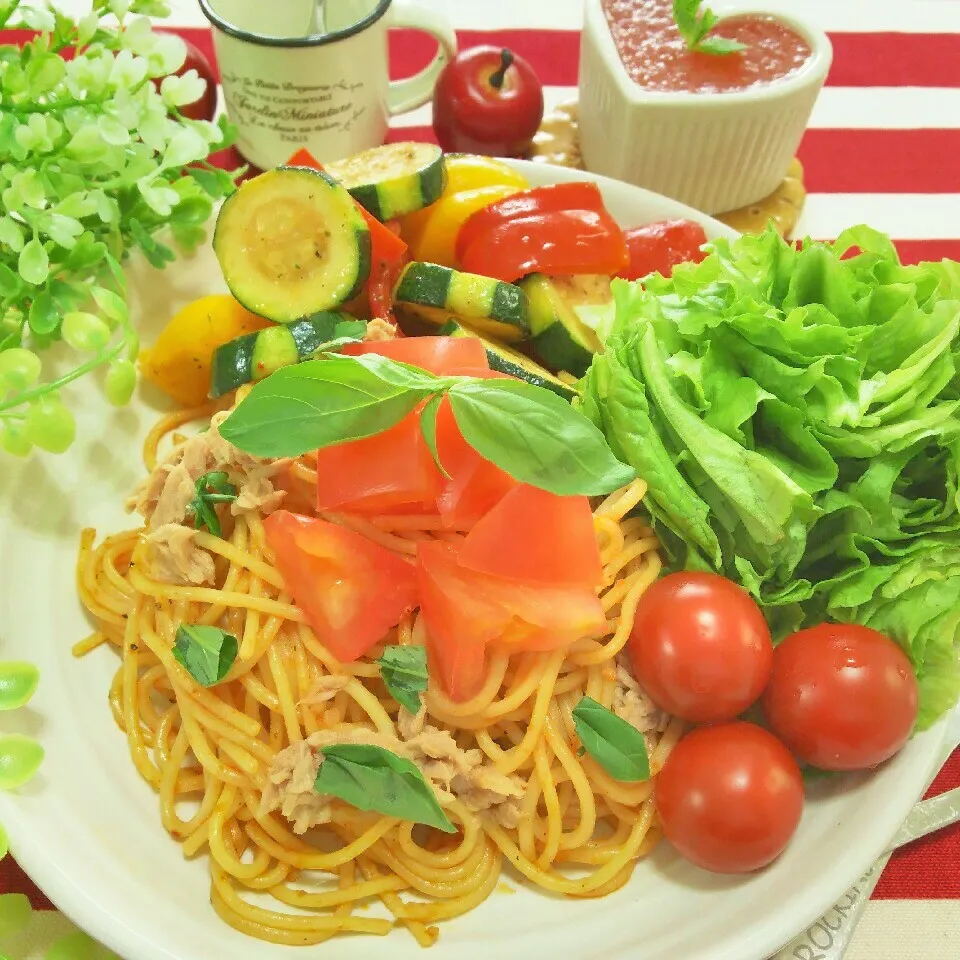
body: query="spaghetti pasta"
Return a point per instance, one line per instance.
(207, 751)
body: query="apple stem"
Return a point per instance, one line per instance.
(496, 79)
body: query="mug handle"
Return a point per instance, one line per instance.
(416, 90)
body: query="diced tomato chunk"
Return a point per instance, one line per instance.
(466, 612)
(351, 589)
(439, 355)
(475, 485)
(458, 623)
(536, 536)
(386, 472)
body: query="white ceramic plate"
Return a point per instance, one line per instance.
(87, 828)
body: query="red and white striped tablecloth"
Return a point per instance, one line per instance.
(883, 148)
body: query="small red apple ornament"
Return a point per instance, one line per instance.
(487, 100)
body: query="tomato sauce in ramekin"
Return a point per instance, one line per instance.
(656, 56)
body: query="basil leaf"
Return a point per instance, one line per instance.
(371, 778)
(318, 403)
(356, 329)
(332, 346)
(536, 437)
(398, 374)
(694, 24)
(685, 15)
(339, 334)
(428, 427)
(404, 671)
(211, 488)
(719, 45)
(619, 747)
(206, 653)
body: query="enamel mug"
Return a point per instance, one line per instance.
(298, 73)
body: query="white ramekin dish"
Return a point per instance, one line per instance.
(713, 151)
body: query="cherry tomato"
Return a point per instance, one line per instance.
(729, 797)
(700, 647)
(390, 472)
(841, 696)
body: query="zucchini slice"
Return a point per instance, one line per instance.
(394, 179)
(505, 360)
(254, 356)
(564, 314)
(291, 242)
(489, 306)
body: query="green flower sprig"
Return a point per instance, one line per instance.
(95, 160)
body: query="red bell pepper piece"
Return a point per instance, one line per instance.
(659, 247)
(555, 196)
(387, 251)
(555, 242)
(383, 275)
(304, 158)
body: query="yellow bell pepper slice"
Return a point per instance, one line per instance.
(470, 171)
(179, 362)
(437, 241)
(465, 171)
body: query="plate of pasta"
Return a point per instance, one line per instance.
(359, 640)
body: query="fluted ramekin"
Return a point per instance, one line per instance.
(713, 151)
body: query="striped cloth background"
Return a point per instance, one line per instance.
(883, 148)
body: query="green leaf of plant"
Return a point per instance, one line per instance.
(428, 427)
(18, 682)
(404, 671)
(619, 747)
(15, 914)
(536, 437)
(188, 237)
(206, 653)
(209, 180)
(44, 317)
(10, 282)
(318, 403)
(20, 759)
(372, 778)
(44, 72)
(33, 262)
